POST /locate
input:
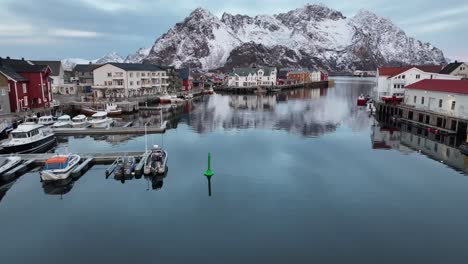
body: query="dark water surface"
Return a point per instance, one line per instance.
(299, 178)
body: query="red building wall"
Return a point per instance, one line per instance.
(34, 92)
(187, 85)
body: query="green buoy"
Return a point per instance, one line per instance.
(209, 172)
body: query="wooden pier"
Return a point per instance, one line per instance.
(110, 131)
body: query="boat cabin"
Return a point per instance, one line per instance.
(56, 163)
(45, 120)
(99, 116)
(64, 118)
(25, 131)
(79, 119)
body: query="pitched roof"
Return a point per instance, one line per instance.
(135, 66)
(450, 67)
(13, 63)
(30, 68)
(247, 71)
(54, 66)
(392, 71)
(9, 72)
(85, 67)
(447, 86)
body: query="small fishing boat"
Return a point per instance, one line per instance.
(362, 100)
(63, 122)
(125, 167)
(110, 108)
(30, 120)
(46, 120)
(8, 163)
(80, 121)
(100, 120)
(165, 99)
(156, 162)
(29, 139)
(59, 167)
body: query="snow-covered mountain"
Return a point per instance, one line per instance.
(138, 56)
(69, 64)
(313, 36)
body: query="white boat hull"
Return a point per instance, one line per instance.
(104, 124)
(80, 125)
(12, 162)
(50, 176)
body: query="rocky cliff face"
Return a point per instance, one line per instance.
(314, 36)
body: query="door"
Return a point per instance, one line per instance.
(432, 102)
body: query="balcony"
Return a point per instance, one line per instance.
(113, 86)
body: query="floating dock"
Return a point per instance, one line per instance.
(110, 131)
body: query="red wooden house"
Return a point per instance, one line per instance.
(29, 84)
(184, 75)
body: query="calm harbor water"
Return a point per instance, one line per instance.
(304, 176)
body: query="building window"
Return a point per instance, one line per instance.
(131, 83)
(25, 101)
(3, 92)
(453, 105)
(137, 74)
(24, 88)
(138, 82)
(109, 74)
(402, 76)
(440, 103)
(418, 76)
(422, 100)
(394, 86)
(131, 74)
(82, 73)
(431, 76)
(143, 74)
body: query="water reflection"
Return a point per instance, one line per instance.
(407, 139)
(60, 187)
(4, 187)
(309, 112)
(154, 182)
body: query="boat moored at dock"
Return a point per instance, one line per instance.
(46, 120)
(362, 100)
(100, 120)
(156, 162)
(29, 139)
(59, 167)
(8, 163)
(110, 108)
(63, 122)
(80, 121)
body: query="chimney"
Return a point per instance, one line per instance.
(456, 61)
(90, 63)
(8, 57)
(22, 58)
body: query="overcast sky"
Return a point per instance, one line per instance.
(55, 29)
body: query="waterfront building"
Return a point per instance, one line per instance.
(252, 77)
(184, 75)
(29, 84)
(57, 74)
(391, 81)
(457, 69)
(318, 76)
(447, 97)
(4, 96)
(123, 80)
(300, 75)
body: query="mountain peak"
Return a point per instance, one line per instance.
(201, 13)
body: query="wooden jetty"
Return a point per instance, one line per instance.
(110, 131)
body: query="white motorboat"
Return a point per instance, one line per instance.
(63, 122)
(156, 162)
(46, 120)
(111, 109)
(59, 167)
(8, 163)
(100, 120)
(29, 139)
(30, 120)
(80, 121)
